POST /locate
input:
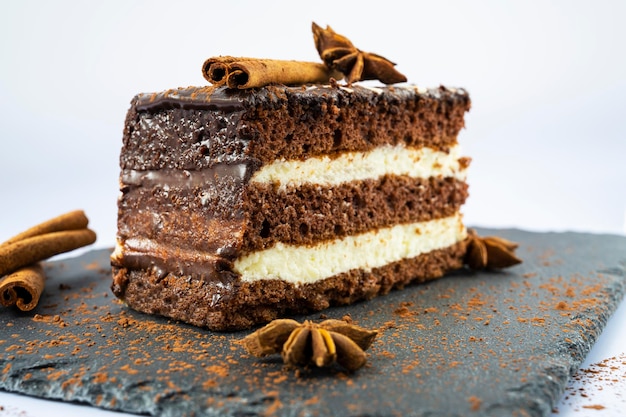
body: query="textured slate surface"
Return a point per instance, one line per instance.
(472, 344)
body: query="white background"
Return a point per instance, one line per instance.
(547, 130)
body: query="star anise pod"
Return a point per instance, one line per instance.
(339, 53)
(320, 344)
(490, 252)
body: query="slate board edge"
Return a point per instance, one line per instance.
(577, 352)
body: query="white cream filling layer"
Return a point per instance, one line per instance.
(357, 166)
(308, 264)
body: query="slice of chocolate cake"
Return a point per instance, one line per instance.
(241, 206)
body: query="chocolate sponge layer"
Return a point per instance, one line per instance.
(196, 217)
(311, 214)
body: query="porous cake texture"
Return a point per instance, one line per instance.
(241, 206)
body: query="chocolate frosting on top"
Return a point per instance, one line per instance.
(226, 99)
(210, 98)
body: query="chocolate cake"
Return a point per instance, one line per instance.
(241, 206)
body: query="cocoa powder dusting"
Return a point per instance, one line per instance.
(593, 387)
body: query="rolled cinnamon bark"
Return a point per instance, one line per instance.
(262, 72)
(37, 248)
(23, 287)
(240, 72)
(20, 256)
(69, 221)
(216, 69)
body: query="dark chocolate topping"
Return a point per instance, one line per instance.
(225, 99)
(206, 98)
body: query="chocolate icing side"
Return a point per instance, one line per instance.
(210, 268)
(182, 138)
(208, 177)
(202, 212)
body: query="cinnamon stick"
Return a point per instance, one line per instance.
(37, 248)
(72, 220)
(23, 287)
(215, 70)
(245, 73)
(21, 254)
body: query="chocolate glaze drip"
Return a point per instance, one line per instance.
(191, 98)
(208, 177)
(214, 269)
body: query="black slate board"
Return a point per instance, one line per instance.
(471, 344)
